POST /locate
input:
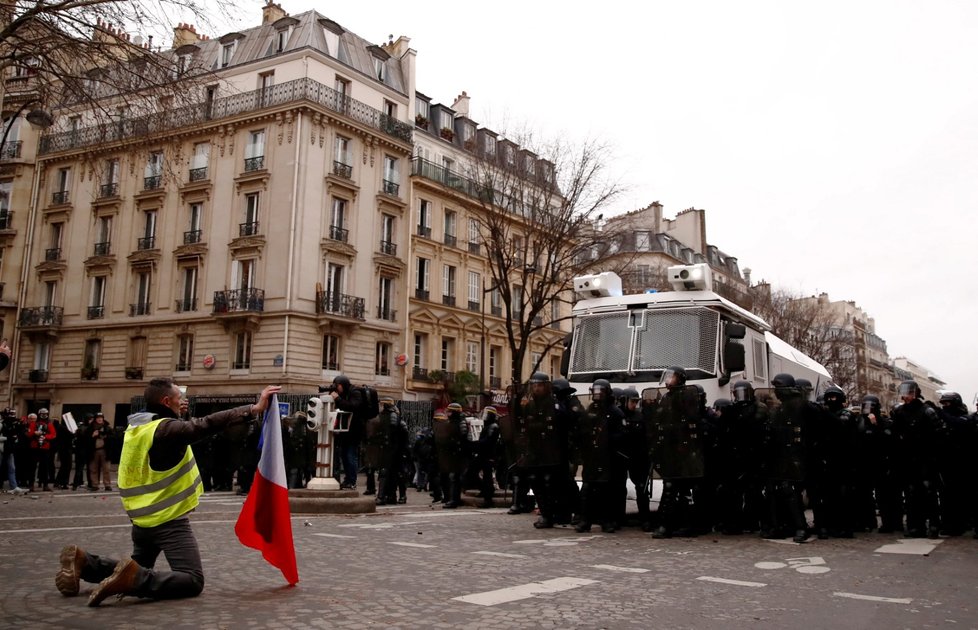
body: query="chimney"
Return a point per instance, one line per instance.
(747, 271)
(461, 104)
(271, 12)
(184, 34)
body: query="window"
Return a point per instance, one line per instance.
(193, 235)
(760, 367)
(227, 52)
(535, 359)
(342, 86)
(342, 150)
(63, 181)
(136, 354)
(149, 230)
(50, 292)
(282, 39)
(391, 175)
(423, 108)
(451, 218)
(472, 356)
(643, 242)
(242, 351)
(266, 81)
(90, 360)
(54, 245)
(154, 164)
(103, 236)
(448, 281)
(495, 353)
(185, 353)
(331, 352)
(490, 146)
(334, 279)
(447, 354)
(387, 234)
(250, 225)
(382, 360)
(183, 64)
(475, 290)
(385, 299)
(42, 355)
(112, 173)
(243, 275)
(446, 120)
(496, 301)
(421, 279)
(420, 341)
(96, 301)
(336, 230)
(424, 218)
(198, 163)
(380, 68)
(516, 301)
(332, 41)
(255, 151)
(144, 283)
(188, 295)
(448, 164)
(390, 109)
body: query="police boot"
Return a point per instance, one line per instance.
(543, 523)
(582, 526)
(662, 532)
(800, 536)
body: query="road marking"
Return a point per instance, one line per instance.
(706, 578)
(407, 544)
(611, 567)
(382, 525)
(500, 554)
(334, 536)
(524, 591)
(61, 529)
(781, 542)
(874, 598)
(555, 542)
(913, 546)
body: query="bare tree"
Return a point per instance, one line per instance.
(540, 209)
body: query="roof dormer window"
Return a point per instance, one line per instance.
(380, 69)
(282, 38)
(227, 52)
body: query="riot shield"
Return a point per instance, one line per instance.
(448, 445)
(677, 447)
(377, 441)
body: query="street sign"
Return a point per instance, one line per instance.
(283, 409)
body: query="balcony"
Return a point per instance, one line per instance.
(6, 220)
(422, 294)
(474, 306)
(424, 230)
(386, 314)
(248, 229)
(331, 366)
(108, 190)
(140, 308)
(475, 247)
(446, 177)
(335, 303)
(153, 182)
(256, 163)
(496, 311)
(10, 150)
(337, 233)
(37, 376)
(103, 249)
(181, 367)
(342, 170)
(289, 92)
(239, 301)
(96, 312)
(89, 373)
(386, 247)
(448, 300)
(192, 236)
(41, 316)
(147, 242)
(390, 188)
(60, 198)
(495, 382)
(450, 240)
(186, 305)
(419, 373)
(134, 373)
(198, 174)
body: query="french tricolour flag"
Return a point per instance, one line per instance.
(265, 522)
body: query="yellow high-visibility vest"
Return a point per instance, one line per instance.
(154, 497)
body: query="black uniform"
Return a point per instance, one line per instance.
(599, 440)
(451, 438)
(957, 468)
(677, 451)
(545, 457)
(635, 448)
(787, 447)
(918, 429)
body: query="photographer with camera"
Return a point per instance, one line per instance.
(10, 431)
(41, 432)
(351, 399)
(98, 463)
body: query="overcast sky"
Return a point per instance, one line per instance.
(834, 145)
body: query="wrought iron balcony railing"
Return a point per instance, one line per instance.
(474, 306)
(239, 301)
(497, 311)
(475, 248)
(424, 230)
(10, 150)
(192, 236)
(198, 174)
(186, 305)
(448, 300)
(108, 190)
(495, 382)
(391, 188)
(60, 197)
(337, 233)
(153, 182)
(337, 303)
(331, 365)
(386, 247)
(422, 294)
(52, 253)
(248, 229)
(181, 367)
(42, 316)
(140, 308)
(147, 242)
(386, 313)
(134, 373)
(419, 373)
(256, 163)
(450, 240)
(342, 170)
(103, 249)
(37, 376)
(206, 110)
(6, 220)
(96, 312)
(89, 373)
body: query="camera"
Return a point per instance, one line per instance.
(327, 389)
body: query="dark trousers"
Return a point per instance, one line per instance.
(176, 541)
(597, 503)
(348, 457)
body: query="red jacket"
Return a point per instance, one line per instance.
(34, 435)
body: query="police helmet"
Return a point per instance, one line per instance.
(721, 403)
(630, 393)
(387, 401)
(540, 377)
(43, 411)
(834, 397)
(562, 386)
(441, 415)
(952, 399)
(454, 408)
(909, 388)
(600, 389)
(871, 405)
(490, 413)
(805, 387)
(674, 376)
(617, 392)
(783, 380)
(743, 391)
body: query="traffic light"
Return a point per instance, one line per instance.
(315, 413)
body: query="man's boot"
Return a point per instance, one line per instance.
(123, 581)
(69, 575)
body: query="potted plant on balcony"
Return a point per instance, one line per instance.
(447, 134)
(421, 121)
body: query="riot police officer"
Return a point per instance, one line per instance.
(918, 429)
(875, 474)
(677, 451)
(787, 443)
(544, 459)
(569, 412)
(599, 435)
(637, 464)
(488, 449)
(957, 465)
(742, 498)
(451, 438)
(839, 474)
